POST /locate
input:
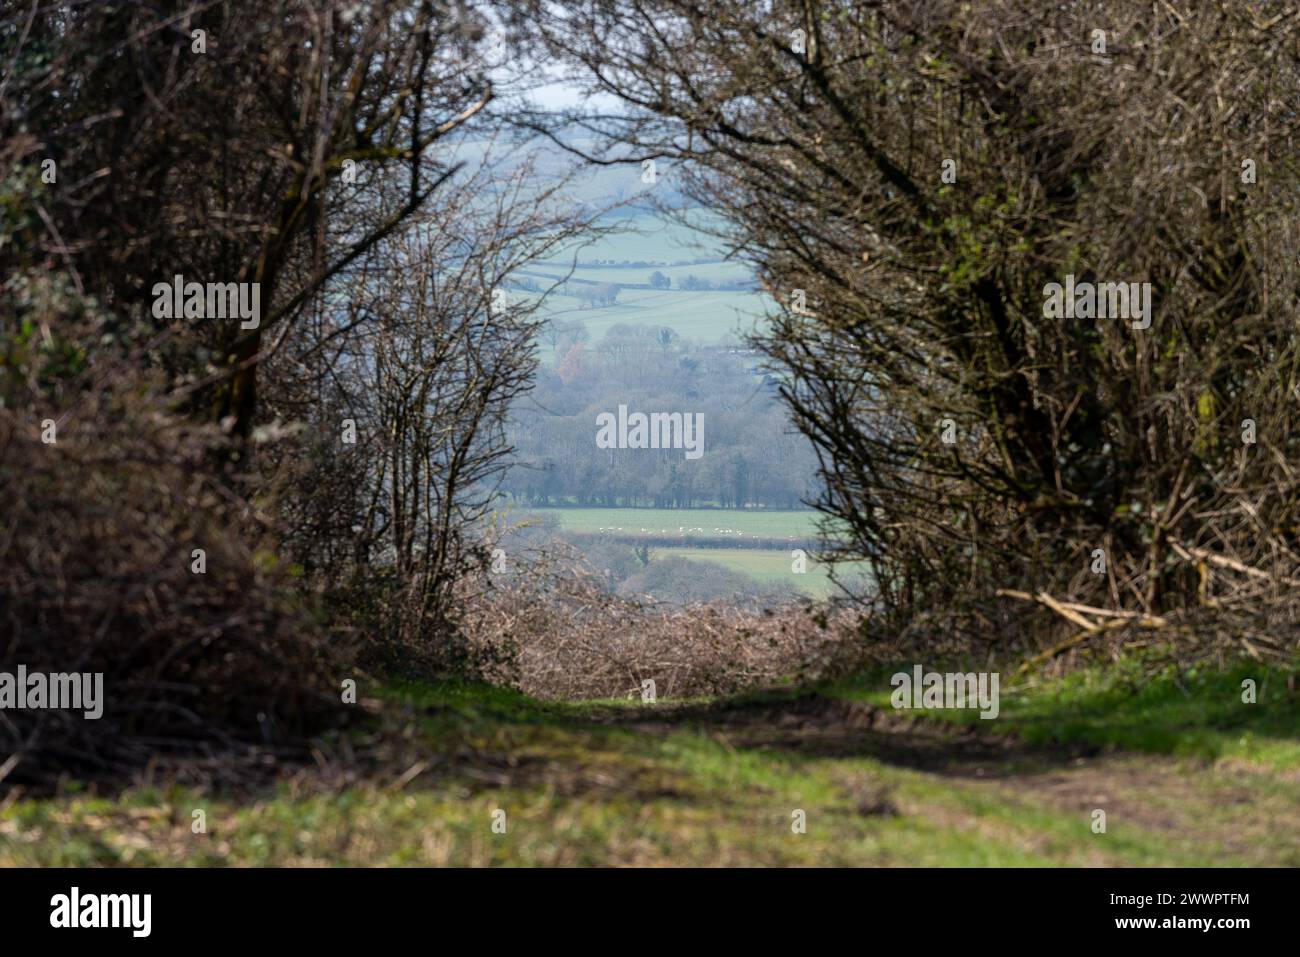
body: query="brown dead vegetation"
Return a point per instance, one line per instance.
(554, 632)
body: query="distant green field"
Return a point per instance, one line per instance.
(769, 566)
(700, 316)
(740, 524)
(644, 236)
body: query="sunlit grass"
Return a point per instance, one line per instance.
(579, 787)
(1197, 713)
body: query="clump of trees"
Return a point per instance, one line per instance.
(752, 455)
(596, 296)
(210, 509)
(562, 336)
(909, 179)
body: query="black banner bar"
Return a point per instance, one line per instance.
(334, 907)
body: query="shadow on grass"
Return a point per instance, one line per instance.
(799, 723)
(478, 737)
(810, 724)
(1199, 712)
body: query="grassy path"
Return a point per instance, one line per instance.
(714, 783)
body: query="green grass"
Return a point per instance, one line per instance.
(600, 784)
(766, 565)
(1197, 713)
(759, 523)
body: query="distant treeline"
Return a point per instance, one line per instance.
(751, 456)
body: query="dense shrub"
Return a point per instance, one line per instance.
(98, 532)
